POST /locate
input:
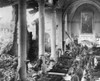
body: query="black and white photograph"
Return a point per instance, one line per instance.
(49, 40)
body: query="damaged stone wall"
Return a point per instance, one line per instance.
(8, 42)
(7, 25)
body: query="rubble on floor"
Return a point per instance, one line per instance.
(78, 63)
(8, 66)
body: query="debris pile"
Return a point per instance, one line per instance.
(76, 62)
(8, 65)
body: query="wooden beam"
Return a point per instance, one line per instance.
(55, 73)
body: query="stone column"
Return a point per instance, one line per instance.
(53, 36)
(41, 4)
(22, 39)
(65, 32)
(41, 28)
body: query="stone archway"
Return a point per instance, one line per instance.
(77, 4)
(71, 10)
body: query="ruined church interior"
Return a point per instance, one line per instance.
(49, 40)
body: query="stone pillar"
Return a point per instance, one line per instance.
(22, 39)
(66, 28)
(42, 33)
(65, 32)
(41, 28)
(53, 36)
(69, 28)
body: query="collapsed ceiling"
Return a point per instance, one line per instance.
(7, 2)
(34, 3)
(30, 3)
